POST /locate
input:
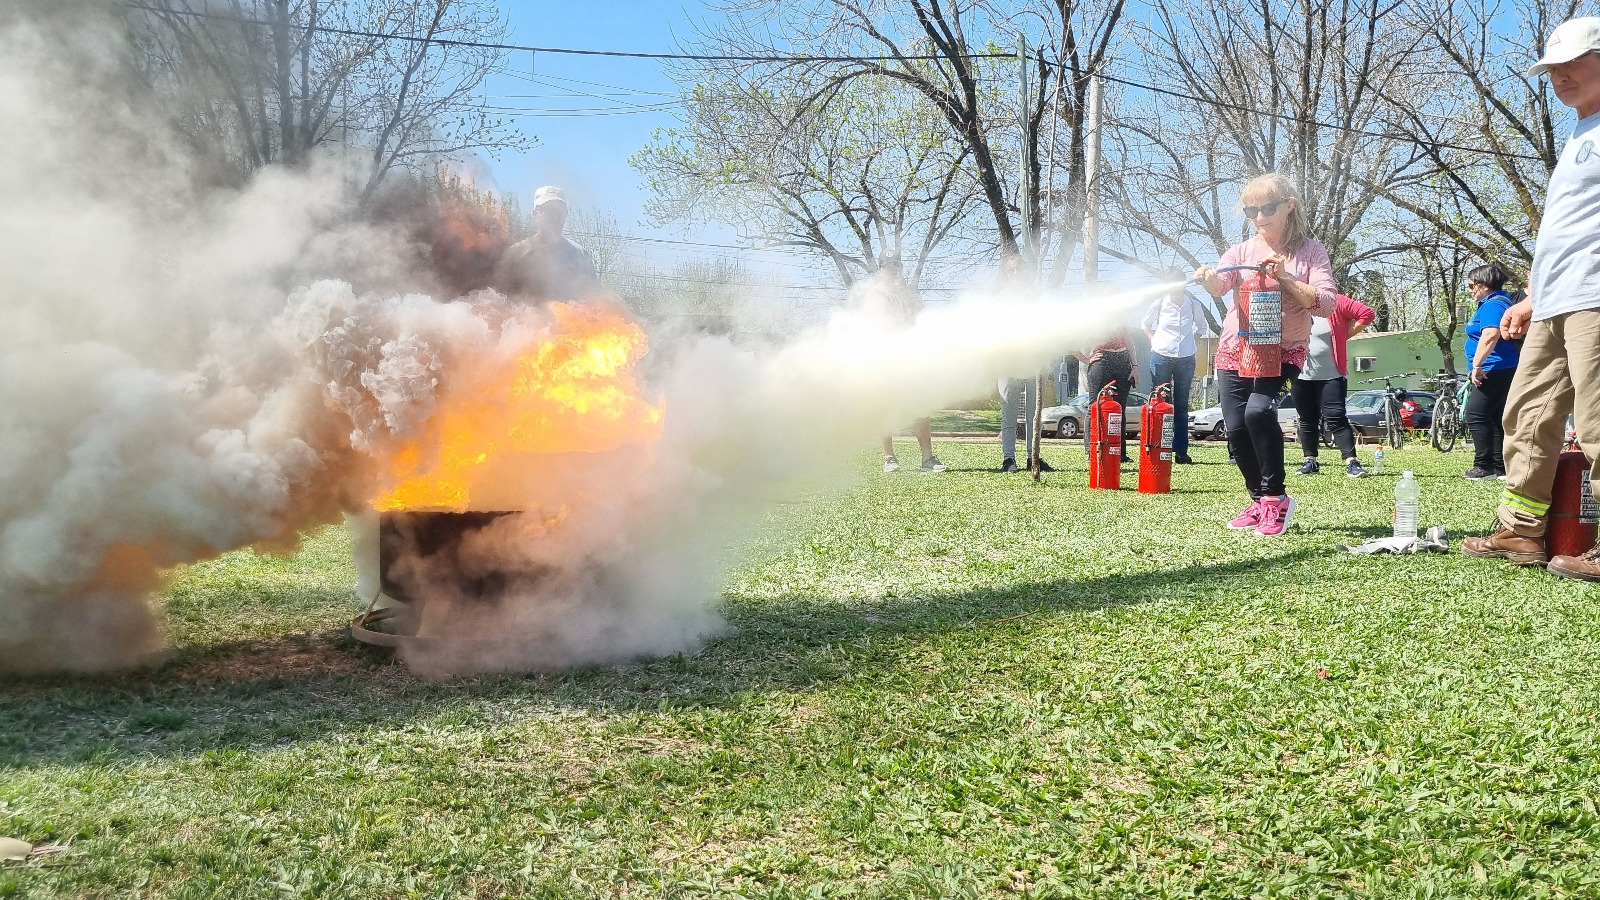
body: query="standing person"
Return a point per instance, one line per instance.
(1017, 399)
(1558, 371)
(1284, 250)
(1494, 362)
(1112, 360)
(1170, 325)
(889, 296)
(1319, 392)
(546, 265)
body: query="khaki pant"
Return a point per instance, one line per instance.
(1558, 373)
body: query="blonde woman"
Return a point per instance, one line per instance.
(1283, 249)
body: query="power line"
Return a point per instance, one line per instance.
(485, 45)
(1304, 120)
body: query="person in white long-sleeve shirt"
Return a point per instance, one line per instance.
(1171, 325)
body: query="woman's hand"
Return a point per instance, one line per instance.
(1478, 376)
(1211, 281)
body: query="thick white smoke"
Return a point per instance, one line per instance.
(185, 372)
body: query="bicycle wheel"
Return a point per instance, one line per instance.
(1443, 432)
(1396, 428)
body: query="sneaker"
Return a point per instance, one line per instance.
(1009, 465)
(1312, 467)
(1583, 568)
(1353, 469)
(1477, 474)
(1275, 517)
(1182, 459)
(890, 464)
(1250, 518)
(1507, 545)
(1043, 466)
(932, 464)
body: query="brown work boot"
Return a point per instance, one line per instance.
(1583, 568)
(1507, 545)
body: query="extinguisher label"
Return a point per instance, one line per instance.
(1589, 512)
(1166, 455)
(1266, 318)
(1166, 433)
(1113, 426)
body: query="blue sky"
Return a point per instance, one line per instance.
(586, 152)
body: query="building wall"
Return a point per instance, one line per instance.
(1398, 353)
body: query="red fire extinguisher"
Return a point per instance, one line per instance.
(1573, 513)
(1261, 326)
(1156, 427)
(1105, 440)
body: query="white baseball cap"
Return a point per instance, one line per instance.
(1571, 39)
(552, 194)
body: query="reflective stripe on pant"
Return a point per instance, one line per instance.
(1558, 373)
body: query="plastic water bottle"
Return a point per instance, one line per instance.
(1407, 505)
(1377, 462)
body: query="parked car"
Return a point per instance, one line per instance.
(1365, 411)
(1070, 419)
(1207, 423)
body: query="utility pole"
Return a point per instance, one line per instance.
(1091, 207)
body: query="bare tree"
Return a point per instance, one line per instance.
(864, 175)
(1297, 88)
(952, 55)
(1486, 136)
(269, 81)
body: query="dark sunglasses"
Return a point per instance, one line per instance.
(1270, 209)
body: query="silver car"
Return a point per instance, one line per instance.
(1070, 419)
(1207, 423)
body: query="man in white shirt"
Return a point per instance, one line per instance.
(1171, 326)
(1559, 369)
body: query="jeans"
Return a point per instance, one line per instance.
(1319, 400)
(1113, 365)
(1017, 397)
(1250, 412)
(1179, 370)
(1558, 372)
(1486, 408)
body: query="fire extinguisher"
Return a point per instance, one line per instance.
(1261, 326)
(1155, 442)
(1573, 512)
(1105, 440)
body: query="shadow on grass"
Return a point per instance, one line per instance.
(274, 693)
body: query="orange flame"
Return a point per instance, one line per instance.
(572, 391)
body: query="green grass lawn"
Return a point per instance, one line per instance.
(932, 686)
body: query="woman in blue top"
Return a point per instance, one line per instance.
(1494, 362)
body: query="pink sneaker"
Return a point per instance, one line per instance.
(1250, 518)
(1275, 516)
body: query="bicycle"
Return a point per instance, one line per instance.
(1395, 428)
(1449, 411)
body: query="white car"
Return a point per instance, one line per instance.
(1207, 423)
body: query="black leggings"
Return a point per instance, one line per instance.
(1486, 407)
(1250, 413)
(1319, 400)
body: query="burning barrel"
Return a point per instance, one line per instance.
(429, 572)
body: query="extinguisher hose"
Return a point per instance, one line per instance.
(1194, 280)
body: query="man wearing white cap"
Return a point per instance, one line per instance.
(1559, 368)
(546, 265)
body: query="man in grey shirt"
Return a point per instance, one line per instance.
(546, 265)
(1559, 369)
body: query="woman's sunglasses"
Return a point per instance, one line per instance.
(1270, 209)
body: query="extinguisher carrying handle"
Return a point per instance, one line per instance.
(1110, 390)
(1164, 391)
